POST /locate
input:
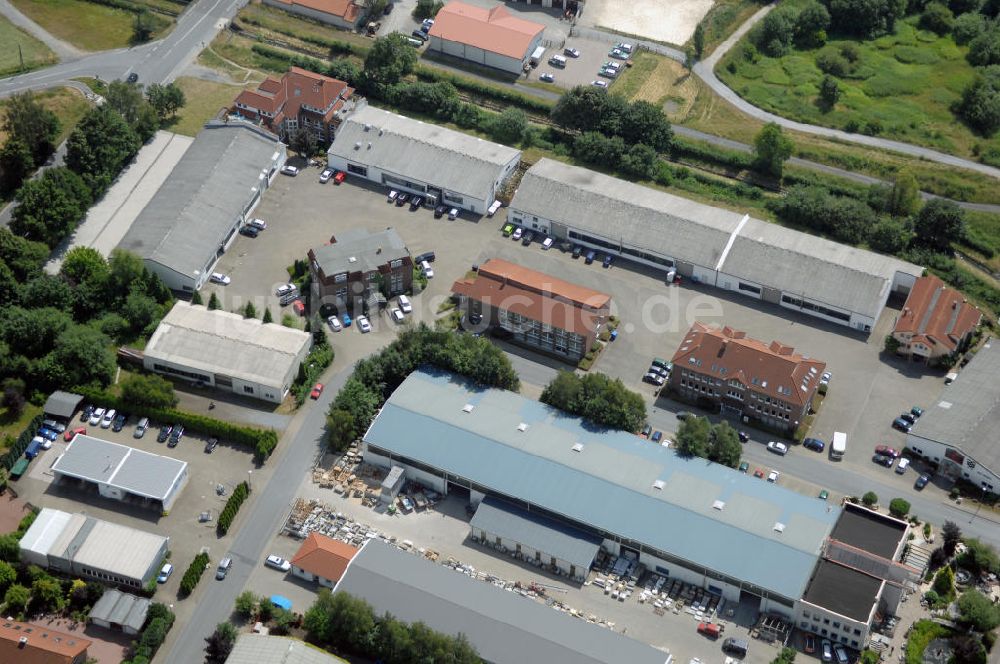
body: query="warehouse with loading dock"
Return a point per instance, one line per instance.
(556, 491)
(446, 167)
(710, 245)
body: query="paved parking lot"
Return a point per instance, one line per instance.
(226, 466)
(578, 71)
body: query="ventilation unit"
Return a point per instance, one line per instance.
(779, 527)
(467, 408)
(522, 427)
(719, 505)
(578, 447)
(659, 484)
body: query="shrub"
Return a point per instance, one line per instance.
(193, 574)
(967, 27)
(832, 63)
(228, 514)
(899, 507)
(869, 499)
(937, 18)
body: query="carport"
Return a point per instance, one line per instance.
(61, 405)
(536, 539)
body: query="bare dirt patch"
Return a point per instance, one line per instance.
(668, 21)
(672, 87)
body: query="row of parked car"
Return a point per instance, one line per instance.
(97, 416)
(401, 198)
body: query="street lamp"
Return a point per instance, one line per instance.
(982, 499)
(249, 473)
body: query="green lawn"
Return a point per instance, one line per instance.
(902, 88)
(68, 105)
(86, 25)
(203, 101)
(13, 426)
(17, 44)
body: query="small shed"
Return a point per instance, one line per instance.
(392, 484)
(61, 405)
(120, 611)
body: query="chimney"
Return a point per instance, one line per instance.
(22, 642)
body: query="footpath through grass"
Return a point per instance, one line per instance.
(87, 25)
(902, 87)
(15, 43)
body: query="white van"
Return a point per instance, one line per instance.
(557, 61)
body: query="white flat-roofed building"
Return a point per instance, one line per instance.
(121, 472)
(455, 169)
(227, 351)
(80, 545)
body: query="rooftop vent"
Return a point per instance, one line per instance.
(779, 527)
(718, 505)
(522, 427)
(380, 132)
(22, 642)
(578, 447)
(352, 259)
(357, 146)
(467, 408)
(368, 127)
(659, 484)
(369, 145)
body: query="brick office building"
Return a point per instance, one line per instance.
(357, 265)
(538, 310)
(767, 384)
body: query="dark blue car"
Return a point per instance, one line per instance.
(814, 444)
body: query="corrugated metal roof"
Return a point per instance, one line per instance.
(191, 214)
(503, 627)
(62, 404)
(227, 343)
(427, 152)
(128, 468)
(45, 531)
(121, 608)
(764, 253)
(538, 532)
(358, 250)
(609, 484)
(967, 414)
(261, 648)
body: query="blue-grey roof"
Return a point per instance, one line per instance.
(548, 536)
(136, 471)
(504, 627)
(120, 608)
(611, 481)
(196, 207)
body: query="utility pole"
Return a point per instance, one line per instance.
(20, 55)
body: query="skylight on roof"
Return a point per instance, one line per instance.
(659, 484)
(522, 427)
(779, 527)
(719, 505)
(578, 447)
(467, 408)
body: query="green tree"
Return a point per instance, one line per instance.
(890, 236)
(698, 40)
(951, 534)
(8, 286)
(359, 400)
(773, 36)
(249, 311)
(978, 611)
(246, 604)
(148, 391)
(979, 557)
(267, 317)
(563, 391)
(937, 18)
(196, 298)
(142, 26)
(979, 106)
(213, 302)
(303, 142)
(771, 149)
(899, 507)
(944, 582)
(142, 312)
(640, 161)
(940, 223)
(220, 643)
(692, 437)
(100, 146)
(865, 18)
(426, 9)
(166, 100)
(870, 498)
(27, 120)
(581, 108)
(24, 257)
(811, 25)
(645, 123)
(48, 290)
(967, 27)
(8, 575)
(904, 197)
(967, 649)
(81, 357)
(509, 126)
(139, 114)
(16, 599)
(16, 164)
(47, 595)
(389, 60)
(829, 92)
(724, 445)
(50, 206)
(85, 265)
(984, 50)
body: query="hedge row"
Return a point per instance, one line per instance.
(706, 152)
(193, 574)
(261, 441)
(232, 507)
(336, 46)
(134, 7)
(21, 444)
(531, 104)
(159, 620)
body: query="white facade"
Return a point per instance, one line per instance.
(315, 14)
(271, 391)
(483, 57)
(954, 463)
(312, 578)
(829, 625)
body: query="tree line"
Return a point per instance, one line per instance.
(598, 398)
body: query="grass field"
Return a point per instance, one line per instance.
(723, 18)
(13, 426)
(204, 99)
(902, 88)
(86, 25)
(35, 53)
(68, 105)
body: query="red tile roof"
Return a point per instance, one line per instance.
(495, 30)
(43, 646)
(775, 369)
(936, 315)
(345, 9)
(323, 556)
(537, 296)
(296, 88)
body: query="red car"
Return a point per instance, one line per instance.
(758, 473)
(339, 176)
(886, 450)
(71, 433)
(316, 391)
(299, 308)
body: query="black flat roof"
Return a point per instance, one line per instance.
(842, 590)
(868, 531)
